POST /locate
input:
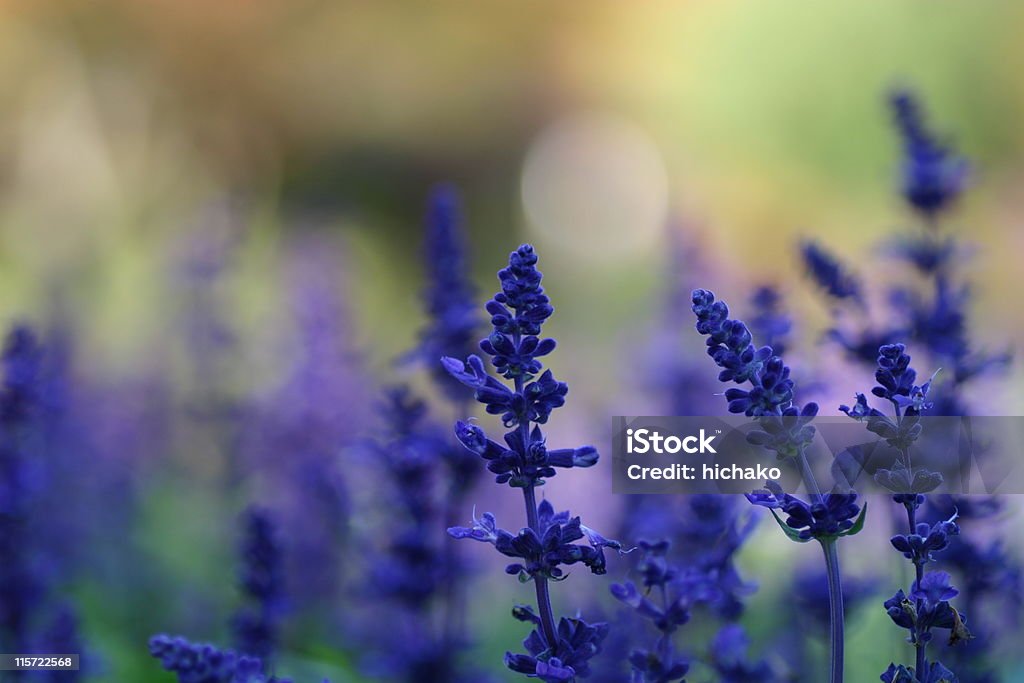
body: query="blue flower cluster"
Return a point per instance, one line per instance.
(576, 642)
(545, 551)
(830, 516)
(668, 593)
(769, 322)
(828, 273)
(204, 663)
(990, 580)
(31, 618)
(708, 537)
(926, 606)
(450, 298)
(786, 431)
(728, 658)
(896, 384)
(413, 573)
(555, 653)
(932, 175)
(935, 317)
(730, 345)
(660, 664)
(261, 580)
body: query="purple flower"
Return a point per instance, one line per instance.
(262, 583)
(203, 663)
(932, 175)
(545, 550)
(450, 297)
(833, 515)
(548, 541)
(829, 273)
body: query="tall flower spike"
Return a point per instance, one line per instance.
(450, 297)
(932, 175)
(261, 581)
(829, 274)
(926, 606)
(556, 653)
(785, 430)
(411, 568)
(204, 663)
(26, 482)
(667, 610)
(769, 322)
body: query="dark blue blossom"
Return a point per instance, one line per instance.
(204, 663)
(667, 610)
(730, 345)
(831, 516)
(989, 578)
(450, 297)
(925, 540)
(261, 580)
(708, 537)
(522, 462)
(21, 590)
(932, 175)
(548, 541)
(769, 323)
(413, 574)
(729, 659)
(30, 617)
(545, 550)
(575, 644)
(786, 431)
(926, 607)
(829, 273)
(935, 673)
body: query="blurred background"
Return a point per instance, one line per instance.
(204, 204)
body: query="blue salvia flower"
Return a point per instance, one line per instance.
(205, 663)
(62, 636)
(728, 658)
(21, 589)
(555, 652)
(989, 578)
(299, 428)
(261, 580)
(708, 536)
(412, 571)
(450, 298)
(667, 610)
(452, 330)
(769, 323)
(937, 318)
(933, 176)
(828, 273)
(785, 430)
(926, 606)
(29, 619)
(939, 322)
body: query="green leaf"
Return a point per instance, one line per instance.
(859, 524)
(792, 533)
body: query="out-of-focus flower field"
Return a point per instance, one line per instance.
(237, 239)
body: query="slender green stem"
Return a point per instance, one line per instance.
(835, 587)
(835, 606)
